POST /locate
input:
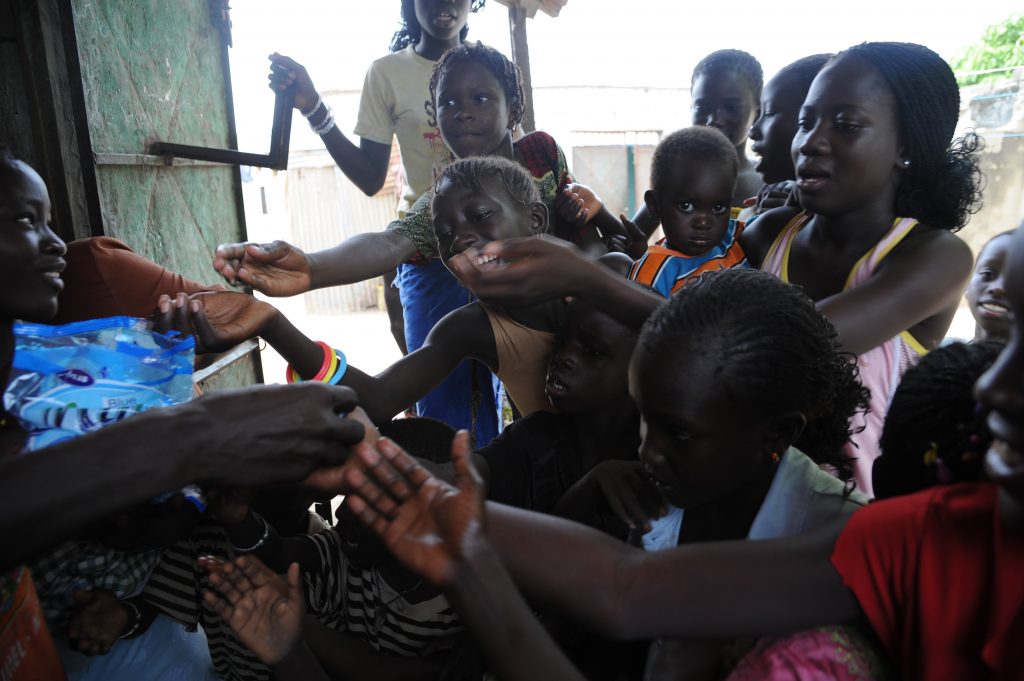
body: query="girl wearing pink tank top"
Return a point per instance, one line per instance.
(880, 367)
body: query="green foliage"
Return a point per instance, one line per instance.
(1001, 45)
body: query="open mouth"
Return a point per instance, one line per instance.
(444, 18)
(555, 386)
(810, 178)
(488, 262)
(993, 310)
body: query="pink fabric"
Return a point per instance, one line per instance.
(881, 367)
(829, 654)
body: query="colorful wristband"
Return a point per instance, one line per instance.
(339, 372)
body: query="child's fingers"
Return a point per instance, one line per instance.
(182, 314)
(467, 478)
(201, 324)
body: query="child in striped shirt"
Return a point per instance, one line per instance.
(693, 174)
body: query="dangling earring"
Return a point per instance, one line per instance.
(775, 457)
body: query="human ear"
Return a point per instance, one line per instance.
(538, 217)
(785, 431)
(651, 199)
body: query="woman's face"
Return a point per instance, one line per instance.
(1001, 388)
(697, 444)
(31, 255)
(847, 149)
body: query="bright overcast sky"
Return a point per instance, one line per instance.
(592, 42)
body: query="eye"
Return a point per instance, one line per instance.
(719, 208)
(685, 206)
(482, 99)
(986, 275)
(682, 435)
(482, 215)
(847, 126)
(447, 102)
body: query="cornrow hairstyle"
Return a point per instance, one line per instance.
(410, 32)
(699, 144)
(942, 186)
(805, 69)
(506, 73)
(739, 62)
(934, 432)
(422, 437)
(775, 354)
(471, 171)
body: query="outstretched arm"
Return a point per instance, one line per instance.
(535, 269)
(279, 269)
(723, 589)
(440, 535)
(367, 164)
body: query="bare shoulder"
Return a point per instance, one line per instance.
(467, 332)
(934, 249)
(759, 235)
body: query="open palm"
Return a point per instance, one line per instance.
(263, 610)
(428, 524)
(224, 319)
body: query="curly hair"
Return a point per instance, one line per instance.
(942, 186)
(506, 73)
(470, 173)
(934, 432)
(696, 145)
(733, 61)
(775, 354)
(410, 32)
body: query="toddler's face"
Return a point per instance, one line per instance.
(693, 204)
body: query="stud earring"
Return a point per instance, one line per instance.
(906, 162)
(775, 457)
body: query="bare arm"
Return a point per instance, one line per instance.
(535, 269)
(359, 258)
(923, 278)
(242, 437)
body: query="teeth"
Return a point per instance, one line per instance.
(994, 307)
(484, 259)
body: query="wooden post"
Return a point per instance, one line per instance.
(521, 57)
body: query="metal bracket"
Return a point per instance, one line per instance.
(280, 138)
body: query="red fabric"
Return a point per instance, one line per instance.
(105, 278)
(941, 581)
(27, 652)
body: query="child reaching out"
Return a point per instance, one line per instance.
(475, 201)
(693, 173)
(476, 98)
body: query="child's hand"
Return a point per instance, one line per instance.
(576, 203)
(775, 196)
(633, 243)
(427, 524)
(276, 269)
(524, 270)
(99, 619)
(229, 505)
(628, 492)
(285, 72)
(219, 320)
(263, 610)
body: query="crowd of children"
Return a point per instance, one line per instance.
(737, 453)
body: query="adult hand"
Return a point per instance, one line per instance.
(219, 320)
(276, 269)
(633, 242)
(265, 434)
(524, 271)
(98, 620)
(628, 492)
(427, 524)
(286, 72)
(263, 610)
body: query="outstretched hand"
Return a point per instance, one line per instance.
(633, 242)
(576, 204)
(427, 524)
(286, 72)
(524, 270)
(219, 320)
(276, 269)
(263, 610)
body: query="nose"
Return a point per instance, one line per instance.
(755, 130)
(810, 142)
(463, 241)
(566, 360)
(995, 287)
(51, 244)
(462, 114)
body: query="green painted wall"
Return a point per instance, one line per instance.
(151, 70)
